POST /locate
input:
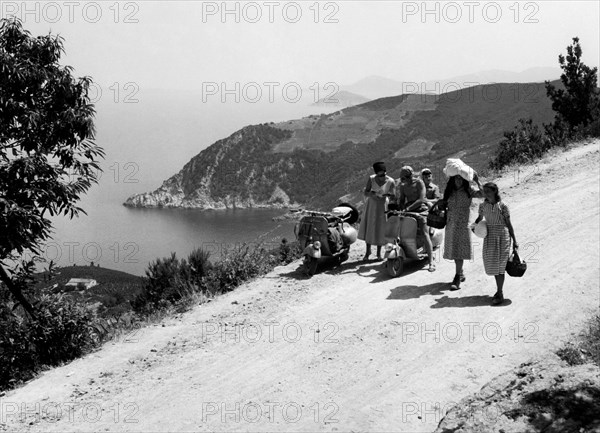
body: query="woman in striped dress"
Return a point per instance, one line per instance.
(496, 245)
(458, 196)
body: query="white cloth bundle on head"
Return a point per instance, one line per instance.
(455, 166)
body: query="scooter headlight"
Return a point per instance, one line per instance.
(389, 247)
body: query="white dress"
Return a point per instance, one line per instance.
(372, 225)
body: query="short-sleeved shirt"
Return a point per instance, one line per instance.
(411, 193)
(432, 192)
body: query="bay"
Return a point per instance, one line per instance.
(145, 143)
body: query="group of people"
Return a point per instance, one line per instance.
(418, 195)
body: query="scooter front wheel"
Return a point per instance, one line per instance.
(395, 266)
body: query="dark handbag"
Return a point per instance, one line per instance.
(436, 217)
(515, 267)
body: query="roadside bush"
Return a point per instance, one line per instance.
(524, 143)
(590, 342)
(586, 348)
(288, 252)
(199, 264)
(593, 129)
(108, 327)
(63, 330)
(558, 133)
(16, 361)
(168, 281)
(238, 265)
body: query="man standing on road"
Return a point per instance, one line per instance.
(432, 191)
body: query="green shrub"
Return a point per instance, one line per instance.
(586, 348)
(524, 143)
(288, 252)
(62, 331)
(17, 362)
(591, 340)
(172, 282)
(199, 264)
(108, 327)
(593, 129)
(168, 281)
(558, 133)
(238, 265)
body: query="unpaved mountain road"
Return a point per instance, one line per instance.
(350, 349)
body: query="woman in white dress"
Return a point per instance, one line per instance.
(379, 188)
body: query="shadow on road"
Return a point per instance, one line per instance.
(410, 267)
(296, 274)
(330, 267)
(412, 292)
(358, 267)
(467, 301)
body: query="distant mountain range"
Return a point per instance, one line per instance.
(377, 87)
(321, 159)
(341, 99)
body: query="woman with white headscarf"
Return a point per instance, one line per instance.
(457, 200)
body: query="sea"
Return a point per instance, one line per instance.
(147, 141)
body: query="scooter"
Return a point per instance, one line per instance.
(326, 236)
(405, 240)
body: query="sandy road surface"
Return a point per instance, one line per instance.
(350, 349)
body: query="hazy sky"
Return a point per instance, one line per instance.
(182, 44)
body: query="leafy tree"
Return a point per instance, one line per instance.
(47, 155)
(579, 102)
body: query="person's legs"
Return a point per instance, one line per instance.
(459, 269)
(428, 247)
(422, 222)
(500, 282)
(457, 276)
(499, 296)
(368, 252)
(458, 264)
(379, 252)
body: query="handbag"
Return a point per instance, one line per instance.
(515, 267)
(436, 217)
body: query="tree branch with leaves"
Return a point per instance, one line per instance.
(48, 158)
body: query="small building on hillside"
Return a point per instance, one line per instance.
(81, 283)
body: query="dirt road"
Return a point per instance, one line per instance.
(350, 349)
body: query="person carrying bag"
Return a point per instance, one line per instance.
(499, 233)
